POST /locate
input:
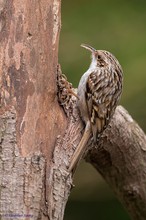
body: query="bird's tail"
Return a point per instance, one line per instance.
(81, 148)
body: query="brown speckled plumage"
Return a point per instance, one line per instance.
(99, 91)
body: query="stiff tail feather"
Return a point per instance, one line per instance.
(81, 148)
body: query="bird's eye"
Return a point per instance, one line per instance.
(99, 57)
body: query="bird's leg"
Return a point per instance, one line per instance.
(81, 147)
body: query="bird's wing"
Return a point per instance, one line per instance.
(100, 101)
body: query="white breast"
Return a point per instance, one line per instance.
(82, 96)
(82, 90)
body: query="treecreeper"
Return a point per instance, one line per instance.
(98, 94)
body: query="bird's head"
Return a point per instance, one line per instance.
(101, 58)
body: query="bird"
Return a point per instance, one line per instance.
(98, 93)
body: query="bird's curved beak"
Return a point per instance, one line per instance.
(88, 47)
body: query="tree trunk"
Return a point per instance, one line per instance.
(30, 116)
(38, 134)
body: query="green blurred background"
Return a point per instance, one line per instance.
(120, 27)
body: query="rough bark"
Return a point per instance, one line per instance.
(38, 137)
(30, 116)
(121, 159)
